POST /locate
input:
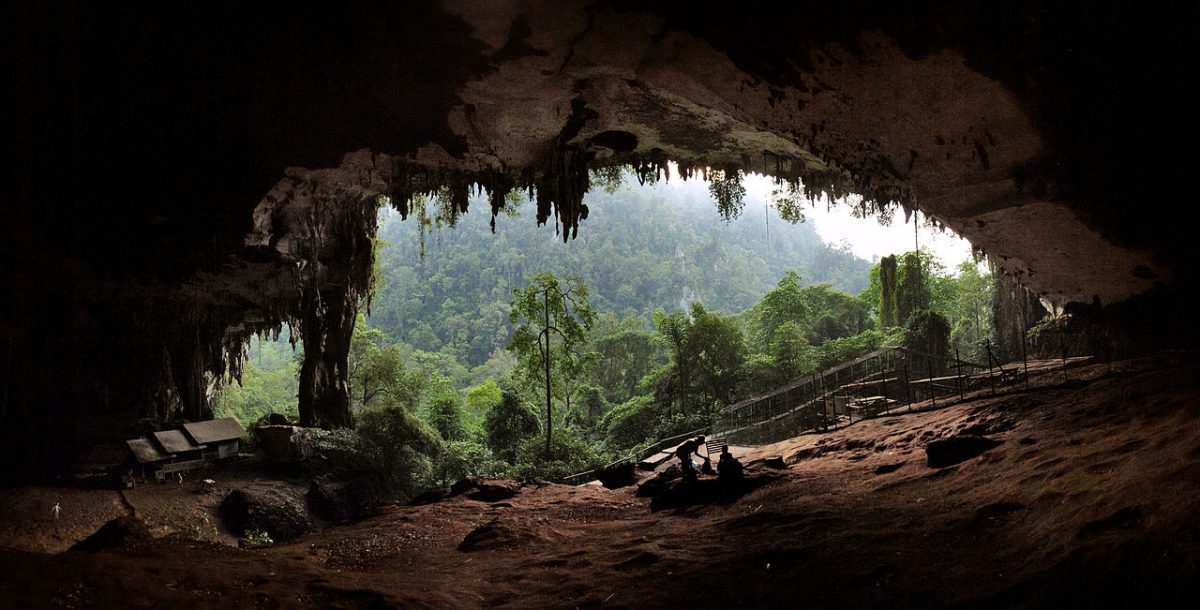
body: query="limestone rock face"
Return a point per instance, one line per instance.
(285, 445)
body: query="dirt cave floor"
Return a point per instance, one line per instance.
(1089, 500)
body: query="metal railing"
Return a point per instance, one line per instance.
(877, 383)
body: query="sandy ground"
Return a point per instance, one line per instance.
(1089, 501)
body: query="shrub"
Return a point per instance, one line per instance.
(508, 424)
(466, 459)
(569, 455)
(389, 445)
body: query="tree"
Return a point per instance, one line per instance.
(509, 423)
(626, 355)
(447, 417)
(553, 319)
(785, 303)
(378, 375)
(716, 347)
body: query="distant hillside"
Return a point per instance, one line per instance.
(640, 249)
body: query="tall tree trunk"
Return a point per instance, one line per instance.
(327, 328)
(546, 360)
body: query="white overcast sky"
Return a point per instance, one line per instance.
(866, 237)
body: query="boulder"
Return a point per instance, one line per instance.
(617, 475)
(278, 509)
(283, 444)
(344, 500)
(956, 449)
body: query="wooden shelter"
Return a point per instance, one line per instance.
(218, 438)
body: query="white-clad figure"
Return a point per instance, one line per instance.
(56, 510)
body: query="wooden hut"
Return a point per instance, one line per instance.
(218, 438)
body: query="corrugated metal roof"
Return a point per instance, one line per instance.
(214, 430)
(144, 451)
(175, 442)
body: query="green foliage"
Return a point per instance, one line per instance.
(587, 411)
(508, 424)
(466, 459)
(631, 422)
(707, 351)
(483, 398)
(203, 528)
(389, 444)
(447, 416)
(552, 318)
(258, 538)
(627, 352)
(642, 247)
(378, 374)
(928, 333)
(268, 385)
(728, 193)
(568, 454)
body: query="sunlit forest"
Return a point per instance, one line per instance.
(663, 313)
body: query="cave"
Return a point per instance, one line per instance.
(184, 177)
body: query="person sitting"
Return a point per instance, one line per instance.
(728, 467)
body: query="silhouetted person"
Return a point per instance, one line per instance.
(729, 469)
(685, 451)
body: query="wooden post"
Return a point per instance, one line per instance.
(958, 361)
(991, 381)
(883, 382)
(1024, 359)
(932, 390)
(907, 383)
(1064, 360)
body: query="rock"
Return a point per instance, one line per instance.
(122, 532)
(497, 535)
(494, 491)
(277, 509)
(617, 475)
(653, 486)
(886, 468)
(282, 444)
(344, 500)
(278, 419)
(772, 462)
(956, 449)
(485, 490)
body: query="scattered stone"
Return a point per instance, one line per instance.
(956, 449)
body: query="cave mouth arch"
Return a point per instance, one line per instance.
(146, 251)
